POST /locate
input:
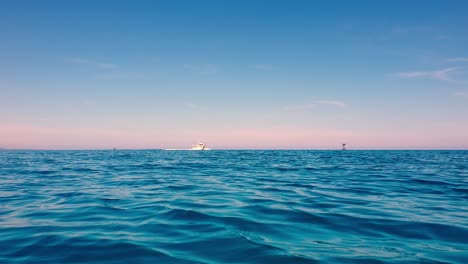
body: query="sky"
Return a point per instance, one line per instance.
(233, 74)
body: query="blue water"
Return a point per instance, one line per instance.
(153, 206)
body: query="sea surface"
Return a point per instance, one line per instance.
(155, 206)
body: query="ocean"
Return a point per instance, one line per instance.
(233, 206)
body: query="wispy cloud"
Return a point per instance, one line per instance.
(441, 75)
(98, 64)
(331, 102)
(411, 31)
(201, 68)
(89, 102)
(399, 30)
(39, 119)
(303, 107)
(461, 94)
(315, 104)
(131, 74)
(194, 106)
(262, 66)
(458, 59)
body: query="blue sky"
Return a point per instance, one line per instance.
(238, 74)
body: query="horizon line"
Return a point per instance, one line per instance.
(235, 149)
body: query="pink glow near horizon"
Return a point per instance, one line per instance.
(41, 137)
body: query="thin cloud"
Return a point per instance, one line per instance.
(461, 94)
(442, 37)
(201, 68)
(262, 66)
(89, 102)
(131, 75)
(440, 75)
(315, 104)
(40, 119)
(304, 107)
(193, 106)
(458, 59)
(411, 31)
(398, 30)
(331, 102)
(93, 63)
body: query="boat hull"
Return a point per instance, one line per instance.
(190, 149)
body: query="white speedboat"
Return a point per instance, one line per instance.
(200, 146)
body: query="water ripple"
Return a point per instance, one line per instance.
(233, 207)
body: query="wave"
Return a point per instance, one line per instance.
(233, 207)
